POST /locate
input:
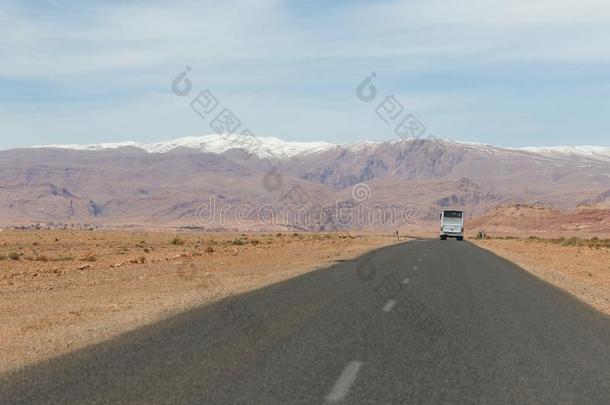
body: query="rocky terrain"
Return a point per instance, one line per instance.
(180, 182)
(62, 290)
(585, 220)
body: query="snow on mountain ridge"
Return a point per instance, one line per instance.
(271, 147)
(588, 151)
(263, 147)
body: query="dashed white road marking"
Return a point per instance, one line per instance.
(406, 281)
(389, 305)
(345, 382)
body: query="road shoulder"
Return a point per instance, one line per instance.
(582, 271)
(68, 290)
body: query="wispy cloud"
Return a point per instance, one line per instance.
(81, 71)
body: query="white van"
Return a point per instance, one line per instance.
(452, 224)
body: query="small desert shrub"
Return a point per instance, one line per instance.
(41, 258)
(481, 235)
(14, 256)
(146, 250)
(594, 242)
(573, 241)
(238, 241)
(89, 258)
(142, 259)
(255, 241)
(209, 249)
(558, 241)
(177, 241)
(597, 243)
(3, 257)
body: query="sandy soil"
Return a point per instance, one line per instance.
(582, 271)
(585, 221)
(62, 290)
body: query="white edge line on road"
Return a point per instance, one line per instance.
(345, 382)
(389, 305)
(406, 281)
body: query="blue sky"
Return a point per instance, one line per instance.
(513, 73)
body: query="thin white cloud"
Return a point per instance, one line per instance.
(484, 31)
(127, 36)
(483, 12)
(260, 47)
(154, 35)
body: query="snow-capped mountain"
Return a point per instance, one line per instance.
(275, 148)
(595, 152)
(263, 147)
(122, 183)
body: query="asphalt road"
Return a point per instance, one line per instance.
(423, 322)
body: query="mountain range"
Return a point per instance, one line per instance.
(179, 182)
(271, 147)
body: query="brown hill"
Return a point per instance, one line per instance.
(534, 219)
(128, 185)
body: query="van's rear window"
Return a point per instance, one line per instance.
(452, 214)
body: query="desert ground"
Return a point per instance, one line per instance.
(63, 290)
(579, 266)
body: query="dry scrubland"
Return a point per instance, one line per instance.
(61, 290)
(579, 266)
